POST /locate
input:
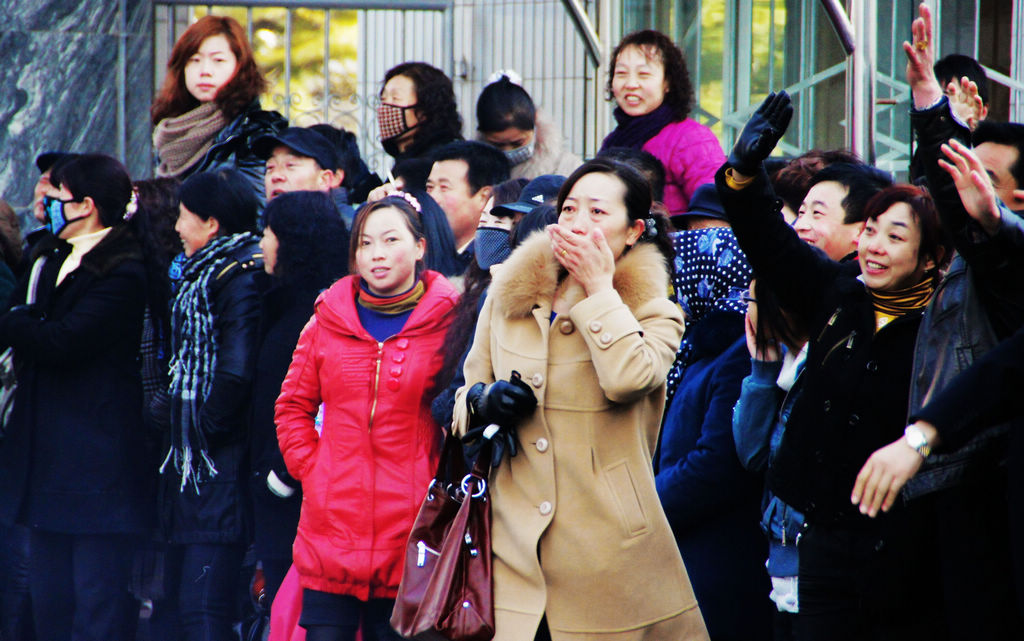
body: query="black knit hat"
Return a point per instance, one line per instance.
(224, 194)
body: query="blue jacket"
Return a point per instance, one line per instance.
(711, 502)
(758, 423)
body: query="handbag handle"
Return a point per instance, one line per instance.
(452, 470)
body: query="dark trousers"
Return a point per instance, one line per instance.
(337, 617)
(201, 604)
(874, 581)
(80, 586)
(783, 626)
(15, 603)
(973, 532)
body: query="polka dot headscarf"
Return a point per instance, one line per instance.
(710, 273)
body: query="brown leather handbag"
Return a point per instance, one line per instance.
(447, 591)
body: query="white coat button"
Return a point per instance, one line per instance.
(565, 327)
(595, 326)
(545, 508)
(542, 445)
(537, 380)
(606, 338)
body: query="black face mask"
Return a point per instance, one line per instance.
(56, 219)
(492, 246)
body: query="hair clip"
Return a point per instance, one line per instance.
(409, 198)
(513, 77)
(132, 206)
(651, 227)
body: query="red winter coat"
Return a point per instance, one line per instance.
(364, 477)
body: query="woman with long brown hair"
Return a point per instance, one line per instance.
(208, 111)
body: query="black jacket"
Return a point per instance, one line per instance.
(286, 312)
(220, 512)
(977, 303)
(856, 382)
(74, 457)
(232, 147)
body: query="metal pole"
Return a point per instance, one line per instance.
(860, 81)
(122, 63)
(609, 38)
(1017, 61)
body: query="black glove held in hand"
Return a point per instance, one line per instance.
(502, 439)
(761, 133)
(496, 409)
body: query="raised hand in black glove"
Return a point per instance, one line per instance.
(761, 133)
(495, 410)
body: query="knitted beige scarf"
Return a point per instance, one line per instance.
(182, 141)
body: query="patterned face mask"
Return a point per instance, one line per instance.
(56, 218)
(391, 120)
(491, 246)
(520, 155)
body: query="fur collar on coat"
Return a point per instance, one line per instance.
(531, 275)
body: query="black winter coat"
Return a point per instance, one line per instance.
(286, 311)
(232, 147)
(73, 460)
(856, 383)
(220, 512)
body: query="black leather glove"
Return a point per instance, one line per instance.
(501, 402)
(502, 439)
(761, 133)
(495, 411)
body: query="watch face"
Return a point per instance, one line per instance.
(916, 440)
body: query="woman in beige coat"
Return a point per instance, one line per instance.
(582, 549)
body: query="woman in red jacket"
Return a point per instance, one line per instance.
(369, 355)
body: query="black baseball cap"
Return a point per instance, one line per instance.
(304, 142)
(540, 190)
(46, 160)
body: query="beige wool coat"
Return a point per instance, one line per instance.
(578, 532)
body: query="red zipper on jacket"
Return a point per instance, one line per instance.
(376, 384)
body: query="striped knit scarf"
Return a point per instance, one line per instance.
(194, 357)
(891, 305)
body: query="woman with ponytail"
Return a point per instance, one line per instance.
(368, 357)
(72, 464)
(507, 119)
(570, 358)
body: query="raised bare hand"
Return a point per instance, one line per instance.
(920, 60)
(973, 184)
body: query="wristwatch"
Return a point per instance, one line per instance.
(916, 439)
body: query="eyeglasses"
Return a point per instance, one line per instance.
(747, 298)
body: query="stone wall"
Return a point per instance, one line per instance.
(66, 66)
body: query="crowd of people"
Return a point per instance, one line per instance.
(735, 398)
